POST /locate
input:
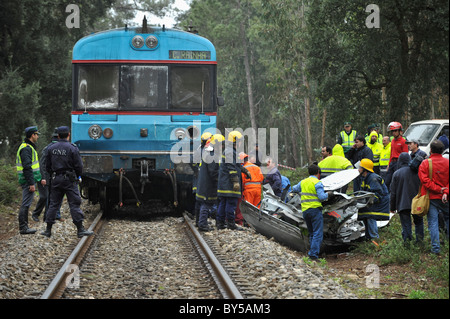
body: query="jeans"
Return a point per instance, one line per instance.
(405, 220)
(436, 206)
(371, 228)
(314, 221)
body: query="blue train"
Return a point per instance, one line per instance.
(142, 97)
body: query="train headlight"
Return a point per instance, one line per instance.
(107, 132)
(137, 41)
(151, 42)
(95, 132)
(180, 133)
(193, 132)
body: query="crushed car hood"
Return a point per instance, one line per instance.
(284, 221)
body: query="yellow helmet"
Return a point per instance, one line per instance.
(206, 136)
(366, 164)
(217, 138)
(234, 136)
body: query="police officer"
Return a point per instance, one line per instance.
(27, 164)
(64, 164)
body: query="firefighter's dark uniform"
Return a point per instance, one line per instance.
(207, 188)
(65, 166)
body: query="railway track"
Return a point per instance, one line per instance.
(94, 268)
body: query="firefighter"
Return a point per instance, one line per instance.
(229, 183)
(65, 166)
(27, 165)
(398, 146)
(206, 195)
(378, 209)
(195, 165)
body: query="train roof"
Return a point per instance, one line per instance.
(170, 45)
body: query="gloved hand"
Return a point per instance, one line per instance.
(236, 187)
(246, 172)
(330, 195)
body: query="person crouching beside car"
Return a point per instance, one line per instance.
(378, 208)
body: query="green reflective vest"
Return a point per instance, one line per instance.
(34, 164)
(309, 198)
(385, 155)
(348, 140)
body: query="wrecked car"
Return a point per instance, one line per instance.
(284, 221)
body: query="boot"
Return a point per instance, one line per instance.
(232, 225)
(23, 222)
(81, 231)
(27, 231)
(220, 224)
(48, 231)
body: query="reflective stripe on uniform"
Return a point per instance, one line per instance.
(308, 196)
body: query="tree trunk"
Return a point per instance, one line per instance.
(324, 122)
(248, 76)
(308, 145)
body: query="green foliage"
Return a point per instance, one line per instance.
(16, 98)
(8, 183)
(391, 250)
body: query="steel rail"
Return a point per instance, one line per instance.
(59, 283)
(231, 290)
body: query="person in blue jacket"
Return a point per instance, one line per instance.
(273, 177)
(229, 183)
(378, 209)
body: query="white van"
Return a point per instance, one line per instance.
(427, 131)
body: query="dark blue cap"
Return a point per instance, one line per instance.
(31, 130)
(63, 129)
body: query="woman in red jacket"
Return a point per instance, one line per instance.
(437, 185)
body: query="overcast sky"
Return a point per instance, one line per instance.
(169, 20)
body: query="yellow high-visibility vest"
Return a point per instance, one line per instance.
(385, 155)
(348, 140)
(34, 164)
(309, 198)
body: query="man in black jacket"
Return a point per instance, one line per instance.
(27, 164)
(359, 151)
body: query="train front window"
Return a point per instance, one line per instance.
(190, 87)
(144, 86)
(98, 87)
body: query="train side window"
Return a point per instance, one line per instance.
(98, 87)
(190, 88)
(143, 86)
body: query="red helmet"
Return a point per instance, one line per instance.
(394, 126)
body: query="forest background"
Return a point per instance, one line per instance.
(304, 67)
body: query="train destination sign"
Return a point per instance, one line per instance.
(189, 55)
